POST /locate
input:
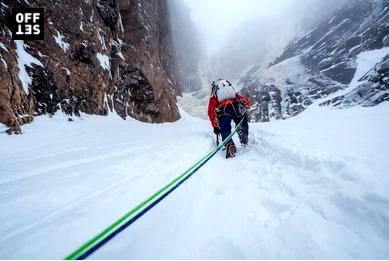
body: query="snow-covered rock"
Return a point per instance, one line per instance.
(25, 59)
(60, 40)
(286, 89)
(370, 85)
(324, 61)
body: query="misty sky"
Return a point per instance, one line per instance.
(216, 18)
(239, 34)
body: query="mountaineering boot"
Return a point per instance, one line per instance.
(231, 150)
(243, 137)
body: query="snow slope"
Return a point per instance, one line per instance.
(314, 186)
(291, 69)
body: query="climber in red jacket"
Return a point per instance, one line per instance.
(226, 105)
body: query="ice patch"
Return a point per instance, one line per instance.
(104, 61)
(66, 70)
(101, 39)
(5, 64)
(332, 19)
(59, 39)
(118, 46)
(25, 59)
(343, 22)
(4, 5)
(121, 23)
(120, 54)
(2, 46)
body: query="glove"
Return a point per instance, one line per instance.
(216, 130)
(247, 108)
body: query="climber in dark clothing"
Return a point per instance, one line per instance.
(225, 105)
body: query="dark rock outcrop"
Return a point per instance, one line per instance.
(83, 54)
(98, 56)
(44, 90)
(267, 102)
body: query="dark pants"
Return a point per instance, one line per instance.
(228, 113)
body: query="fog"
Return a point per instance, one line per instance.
(217, 19)
(235, 35)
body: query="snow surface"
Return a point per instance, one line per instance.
(367, 60)
(291, 68)
(25, 59)
(314, 186)
(194, 105)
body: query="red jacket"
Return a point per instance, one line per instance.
(214, 103)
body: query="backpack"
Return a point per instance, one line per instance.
(223, 90)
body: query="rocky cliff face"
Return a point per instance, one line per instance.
(286, 89)
(98, 57)
(323, 62)
(373, 90)
(332, 47)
